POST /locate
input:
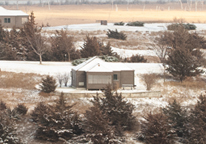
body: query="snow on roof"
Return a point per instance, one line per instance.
(100, 67)
(5, 12)
(96, 64)
(87, 65)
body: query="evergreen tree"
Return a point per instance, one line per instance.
(58, 122)
(177, 118)
(156, 129)
(48, 84)
(98, 127)
(117, 110)
(90, 48)
(63, 47)
(198, 122)
(182, 64)
(107, 50)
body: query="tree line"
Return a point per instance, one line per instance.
(31, 44)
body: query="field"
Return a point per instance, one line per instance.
(81, 14)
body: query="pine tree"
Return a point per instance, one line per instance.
(48, 84)
(198, 122)
(156, 129)
(98, 127)
(182, 64)
(7, 127)
(177, 118)
(118, 111)
(63, 46)
(107, 50)
(90, 48)
(59, 121)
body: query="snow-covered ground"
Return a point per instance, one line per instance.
(54, 68)
(151, 27)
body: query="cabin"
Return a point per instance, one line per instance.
(95, 73)
(12, 18)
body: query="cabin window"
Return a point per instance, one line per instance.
(7, 20)
(115, 77)
(99, 79)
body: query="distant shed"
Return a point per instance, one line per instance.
(103, 22)
(12, 18)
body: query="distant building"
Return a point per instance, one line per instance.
(96, 74)
(11, 18)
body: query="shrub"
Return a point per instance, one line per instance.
(136, 58)
(119, 23)
(149, 80)
(104, 57)
(48, 84)
(115, 34)
(2, 106)
(109, 58)
(136, 23)
(21, 109)
(178, 25)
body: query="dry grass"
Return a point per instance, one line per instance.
(190, 83)
(78, 14)
(19, 80)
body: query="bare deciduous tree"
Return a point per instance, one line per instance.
(60, 79)
(38, 45)
(66, 78)
(149, 80)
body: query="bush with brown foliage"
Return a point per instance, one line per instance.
(149, 80)
(115, 34)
